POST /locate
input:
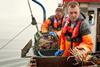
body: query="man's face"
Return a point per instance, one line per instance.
(73, 13)
(59, 14)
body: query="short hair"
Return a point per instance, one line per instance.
(72, 4)
(59, 9)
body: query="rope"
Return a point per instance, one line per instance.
(14, 37)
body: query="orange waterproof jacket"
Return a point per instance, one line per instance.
(52, 24)
(80, 35)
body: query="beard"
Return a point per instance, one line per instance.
(73, 19)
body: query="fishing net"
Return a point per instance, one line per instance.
(46, 44)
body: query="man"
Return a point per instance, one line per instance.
(75, 35)
(54, 23)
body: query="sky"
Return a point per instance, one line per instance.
(15, 16)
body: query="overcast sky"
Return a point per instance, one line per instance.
(11, 9)
(15, 15)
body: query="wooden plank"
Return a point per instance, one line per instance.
(26, 49)
(55, 61)
(98, 25)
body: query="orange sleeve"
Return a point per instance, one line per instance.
(62, 42)
(45, 25)
(87, 43)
